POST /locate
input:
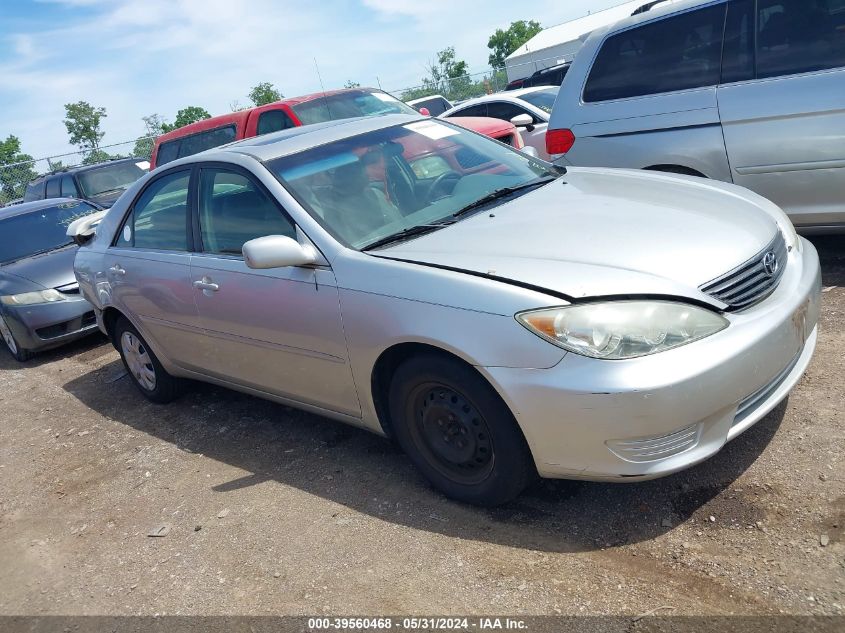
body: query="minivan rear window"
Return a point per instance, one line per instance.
(681, 52)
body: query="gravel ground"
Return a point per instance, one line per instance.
(275, 511)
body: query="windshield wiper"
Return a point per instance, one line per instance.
(43, 251)
(407, 233)
(115, 190)
(504, 192)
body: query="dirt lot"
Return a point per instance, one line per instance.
(273, 511)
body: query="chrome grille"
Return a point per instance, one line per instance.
(754, 280)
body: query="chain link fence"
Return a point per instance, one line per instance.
(14, 177)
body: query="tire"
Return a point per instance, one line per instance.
(18, 353)
(143, 367)
(458, 432)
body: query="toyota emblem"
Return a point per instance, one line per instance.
(770, 263)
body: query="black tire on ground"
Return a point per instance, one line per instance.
(459, 433)
(18, 353)
(149, 377)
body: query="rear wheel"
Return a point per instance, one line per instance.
(143, 367)
(20, 354)
(458, 432)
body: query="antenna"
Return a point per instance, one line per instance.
(378, 81)
(325, 98)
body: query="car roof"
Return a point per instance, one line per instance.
(428, 98)
(37, 205)
(661, 10)
(510, 95)
(297, 139)
(82, 168)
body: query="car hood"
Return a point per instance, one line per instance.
(48, 270)
(599, 232)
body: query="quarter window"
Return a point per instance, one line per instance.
(69, 187)
(234, 210)
(168, 152)
(159, 216)
(798, 36)
(677, 53)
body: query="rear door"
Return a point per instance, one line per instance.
(148, 270)
(278, 331)
(782, 105)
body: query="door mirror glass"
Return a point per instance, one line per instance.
(277, 251)
(522, 120)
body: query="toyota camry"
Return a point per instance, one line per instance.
(500, 317)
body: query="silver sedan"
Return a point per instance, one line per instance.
(499, 317)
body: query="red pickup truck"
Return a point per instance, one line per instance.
(314, 108)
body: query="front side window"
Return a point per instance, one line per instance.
(476, 110)
(110, 178)
(52, 188)
(39, 231)
(159, 216)
(349, 105)
(505, 111)
(798, 36)
(373, 186)
(542, 99)
(680, 52)
(69, 187)
(274, 121)
(234, 210)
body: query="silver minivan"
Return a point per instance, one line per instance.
(745, 91)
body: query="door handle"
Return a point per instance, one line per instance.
(117, 270)
(205, 284)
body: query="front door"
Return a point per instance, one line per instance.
(278, 331)
(784, 125)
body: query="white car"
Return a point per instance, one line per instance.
(528, 109)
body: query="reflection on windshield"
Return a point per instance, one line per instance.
(350, 105)
(370, 186)
(543, 99)
(111, 177)
(39, 231)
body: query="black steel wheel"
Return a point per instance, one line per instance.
(458, 431)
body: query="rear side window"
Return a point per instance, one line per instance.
(798, 36)
(274, 121)
(52, 188)
(168, 151)
(159, 216)
(197, 143)
(69, 187)
(34, 191)
(505, 111)
(677, 53)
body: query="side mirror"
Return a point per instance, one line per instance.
(425, 111)
(530, 151)
(277, 251)
(523, 120)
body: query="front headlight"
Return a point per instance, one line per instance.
(31, 298)
(622, 329)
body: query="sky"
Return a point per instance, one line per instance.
(139, 57)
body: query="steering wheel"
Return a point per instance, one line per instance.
(438, 183)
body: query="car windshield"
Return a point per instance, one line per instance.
(366, 188)
(543, 99)
(111, 177)
(349, 105)
(39, 231)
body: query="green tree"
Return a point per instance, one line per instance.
(98, 156)
(153, 126)
(264, 93)
(83, 125)
(186, 116)
(13, 179)
(503, 43)
(351, 84)
(447, 75)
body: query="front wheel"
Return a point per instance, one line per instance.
(21, 355)
(458, 431)
(143, 367)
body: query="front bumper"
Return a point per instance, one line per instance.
(649, 417)
(47, 325)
